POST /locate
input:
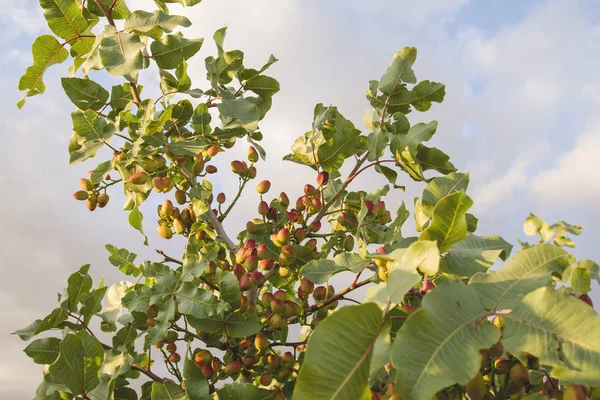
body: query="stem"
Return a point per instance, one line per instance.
(135, 93)
(176, 261)
(123, 137)
(337, 194)
(341, 294)
(237, 197)
(288, 344)
(107, 12)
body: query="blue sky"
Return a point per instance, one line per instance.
(521, 114)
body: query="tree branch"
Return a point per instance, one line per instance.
(107, 13)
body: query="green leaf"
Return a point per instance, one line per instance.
(528, 270)
(448, 225)
(122, 53)
(79, 286)
(188, 147)
(90, 126)
(201, 120)
(262, 85)
(85, 93)
(319, 271)
(161, 273)
(335, 151)
(196, 385)
(351, 261)
(426, 93)
(227, 64)
(64, 17)
(167, 390)
(581, 281)
(46, 51)
(229, 288)
(153, 24)
(77, 367)
(170, 51)
(560, 330)
(244, 391)
(441, 187)
(43, 351)
(430, 158)
(399, 70)
(245, 111)
(474, 254)
(338, 356)
(92, 303)
(377, 143)
(123, 259)
(196, 302)
(135, 220)
(101, 171)
(445, 335)
(410, 140)
(242, 325)
(119, 8)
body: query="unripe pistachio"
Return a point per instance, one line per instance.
(273, 361)
(284, 200)
(309, 190)
(170, 184)
(250, 227)
(160, 160)
(239, 167)
(245, 344)
(207, 370)
(245, 283)
(519, 374)
(252, 154)
(322, 178)
(164, 232)
(369, 204)
(277, 306)
(92, 202)
(311, 244)
(216, 364)
(283, 271)
(86, 184)
(477, 388)
(252, 172)
(288, 252)
(175, 358)
(213, 150)
(265, 379)
(305, 201)
(379, 209)
(238, 270)
(299, 205)
(233, 368)
(211, 169)
(501, 365)
(159, 184)
(172, 347)
(103, 200)
(251, 263)
(178, 226)
(152, 311)
(221, 198)
(257, 278)
(315, 226)
(283, 236)
(299, 234)
(139, 178)
(167, 209)
(240, 256)
(267, 264)
(180, 197)
(81, 195)
(575, 392)
(586, 299)
(261, 251)
(150, 322)
(198, 166)
(250, 244)
(315, 205)
(263, 187)
(249, 362)
(319, 293)
(263, 208)
(349, 243)
(159, 344)
(307, 286)
(287, 357)
(284, 373)
(261, 342)
(496, 350)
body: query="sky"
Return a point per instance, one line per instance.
(521, 115)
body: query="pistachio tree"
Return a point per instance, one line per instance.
(253, 314)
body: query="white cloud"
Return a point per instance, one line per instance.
(576, 178)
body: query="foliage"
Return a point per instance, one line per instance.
(436, 320)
